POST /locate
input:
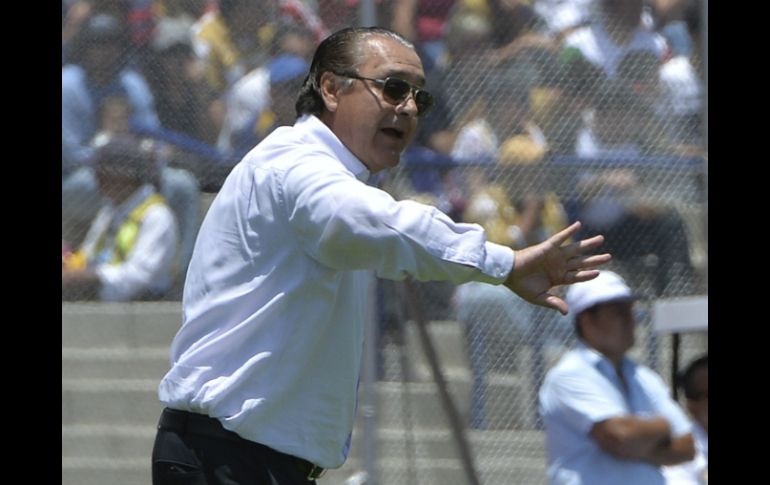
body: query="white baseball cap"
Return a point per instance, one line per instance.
(606, 287)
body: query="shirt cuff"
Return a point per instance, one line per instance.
(497, 263)
(680, 427)
(108, 278)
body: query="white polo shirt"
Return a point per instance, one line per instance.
(276, 293)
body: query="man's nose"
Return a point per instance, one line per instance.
(408, 106)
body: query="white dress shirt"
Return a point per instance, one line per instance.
(276, 293)
(583, 389)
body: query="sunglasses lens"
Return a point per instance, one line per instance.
(424, 101)
(396, 89)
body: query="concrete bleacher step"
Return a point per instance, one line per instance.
(412, 403)
(104, 441)
(448, 339)
(431, 453)
(115, 363)
(110, 401)
(508, 470)
(113, 356)
(115, 470)
(396, 442)
(122, 325)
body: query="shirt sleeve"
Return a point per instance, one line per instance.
(142, 100)
(665, 406)
(149, 261)
(580, 401)
(348, 225)
(74, 131)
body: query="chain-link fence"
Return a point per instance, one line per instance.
(547, 112)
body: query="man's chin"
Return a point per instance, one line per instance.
(384, 163)
(392, 162)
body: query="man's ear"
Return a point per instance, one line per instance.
(330, 86)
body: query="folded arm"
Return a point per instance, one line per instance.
(645, 439)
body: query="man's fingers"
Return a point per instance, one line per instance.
(579, 276)
(584, 245)
(586, 262)
(561, 236)
(585, 275)
(551, 301)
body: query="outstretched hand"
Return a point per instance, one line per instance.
(538, 269)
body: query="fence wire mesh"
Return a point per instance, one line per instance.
(547, 112)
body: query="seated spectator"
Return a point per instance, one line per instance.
(623, 129)
(616, 29)
(424, 23)
(608, 419)
(176, 77)
(249, 97)
(694, 381)
(683, 86)
(100, 68)
(672, 90)
(130, 250)
(177, 185)
(623, 124)
(234, 39)
(500, 127)
(567, 88)
(497, 322)
(261, 101)
(518, 31)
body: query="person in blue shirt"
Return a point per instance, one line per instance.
(99, 69)
(608, 419)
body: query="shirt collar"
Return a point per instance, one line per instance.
(122, 211)
(589, 354)
(317, 129)
(597, 359)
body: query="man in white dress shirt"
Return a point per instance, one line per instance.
(265, 369)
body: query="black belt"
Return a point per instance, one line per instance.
(186, 422)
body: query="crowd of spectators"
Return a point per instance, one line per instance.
(517, 83)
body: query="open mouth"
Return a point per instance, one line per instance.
(394, 133)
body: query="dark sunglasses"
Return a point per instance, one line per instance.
(396, 90)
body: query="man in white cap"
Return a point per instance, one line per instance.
(609, 420)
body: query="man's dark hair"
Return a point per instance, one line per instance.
(126, 155)
(687, 377)
(337, 53)
(99, 29)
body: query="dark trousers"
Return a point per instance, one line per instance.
(192, 449)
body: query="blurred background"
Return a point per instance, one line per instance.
(548, 111)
